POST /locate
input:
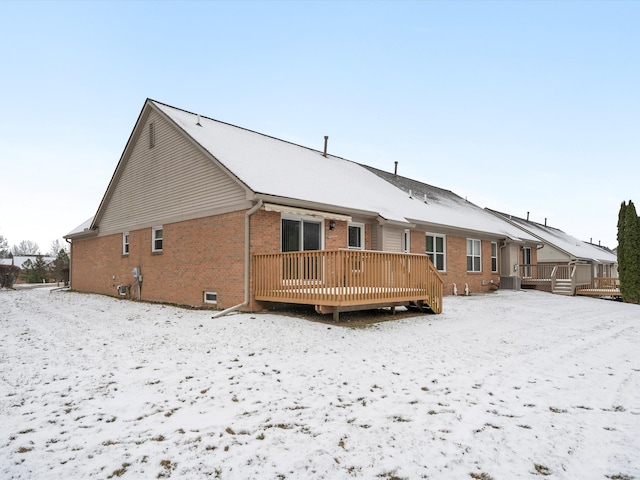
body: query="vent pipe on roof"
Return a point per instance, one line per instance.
(545, 221)
(527, 216)
(198, 122)
(326, 141)
(395, 169)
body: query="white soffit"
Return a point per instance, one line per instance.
(271, 207)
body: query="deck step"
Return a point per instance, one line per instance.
(563, 287)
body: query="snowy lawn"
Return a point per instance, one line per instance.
(500, 386)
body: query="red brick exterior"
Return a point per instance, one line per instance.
(456, 258)
(207, 255)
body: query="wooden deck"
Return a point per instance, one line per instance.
(601, 287)
(569, 280)
(341, 280)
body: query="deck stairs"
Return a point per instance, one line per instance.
(563, 287)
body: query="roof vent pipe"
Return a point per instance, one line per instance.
(527, 216)
(198, 122)
(545, 221)
(395, 169)
(326, 140)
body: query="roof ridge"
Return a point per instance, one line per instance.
(247, 129)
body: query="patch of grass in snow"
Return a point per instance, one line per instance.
(541, 469)
(557, 410)
(481, 476)
(389, 476)
(620, 476)
(159, 438)
(120, 471)
(400, 419)
(168, 467)
(25, 449)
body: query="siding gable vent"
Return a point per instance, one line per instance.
(152, 135)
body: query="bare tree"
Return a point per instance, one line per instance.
(58, 245)
(26, 247)
(4, 247)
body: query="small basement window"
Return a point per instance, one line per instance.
(156, 238)
(210, 297)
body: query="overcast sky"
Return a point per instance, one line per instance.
(517, 106)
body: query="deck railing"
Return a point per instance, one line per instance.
(605, 283)
(344, 278)
(535, 273)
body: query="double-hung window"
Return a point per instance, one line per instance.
(125, 243)
(156, 239)
(494, 257)
(474, 260)
(356, 236)
(436, 251)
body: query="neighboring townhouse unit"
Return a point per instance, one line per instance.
(564, 263)
(203, 213)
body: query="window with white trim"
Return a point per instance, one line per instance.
(156, 239)
(436, 249)
(474, 259)
(356, 236)
(301, 233)
(494, 257)
(406, 241)
(125, 243)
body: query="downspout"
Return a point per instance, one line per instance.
(247, 262)
(70, 259)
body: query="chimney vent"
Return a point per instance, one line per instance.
(326, 141)
(545, 221)
(198, 122)
(527, 216)
(395, 169)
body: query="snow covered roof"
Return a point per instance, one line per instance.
(446, 208)
(82, 228)
(269, 166)
(563, 241)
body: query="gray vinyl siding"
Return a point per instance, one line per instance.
(392, 238)
(172, 181)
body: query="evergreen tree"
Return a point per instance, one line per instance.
(34, 271)
(631, 255)
(621, 245)
(59, 268)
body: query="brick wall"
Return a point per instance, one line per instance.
(456, 258)
(205, 254)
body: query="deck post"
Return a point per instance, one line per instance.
(336, 315)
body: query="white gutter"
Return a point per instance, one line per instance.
(247, 262)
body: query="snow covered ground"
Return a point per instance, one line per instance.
(504, 386)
